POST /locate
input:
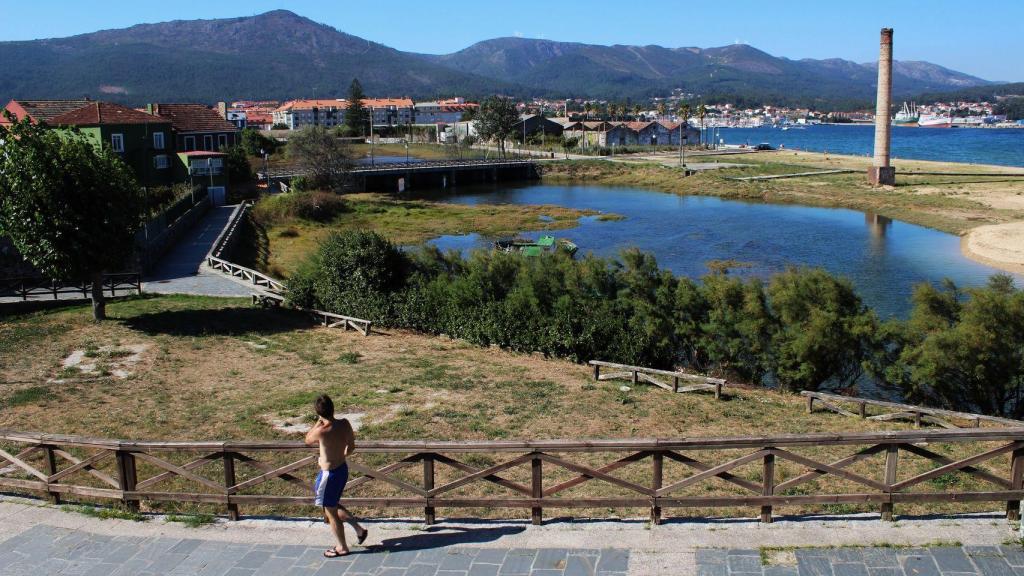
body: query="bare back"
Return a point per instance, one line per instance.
(337, 440)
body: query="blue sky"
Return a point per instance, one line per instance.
(984, 38)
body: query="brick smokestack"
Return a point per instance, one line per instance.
(881, 172)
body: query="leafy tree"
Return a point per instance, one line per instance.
(237, 164)
(568, 143)
(702, 112)
(255, 144)
(279, 126)
(962, 354)
(496, 120)
(70, 208)
(1012, 107)
(357, 117)
(323, 157)
(824, 330)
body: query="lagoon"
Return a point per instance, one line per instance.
(883, 258)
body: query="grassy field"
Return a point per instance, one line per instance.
(948, 203)
(407, 221)
(176, 368)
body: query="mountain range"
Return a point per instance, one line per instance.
(279, 55)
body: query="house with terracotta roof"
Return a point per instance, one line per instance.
(198, 127)
(142, 140)
(440, 111)
(297, 114)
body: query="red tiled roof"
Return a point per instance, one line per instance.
(638, 126)
(104, 113)
(307, 104)
(193, 118)
(669, 125)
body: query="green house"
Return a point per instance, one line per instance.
(145, 142)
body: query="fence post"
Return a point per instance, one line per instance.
(810, 404)
(636, 378)
(1016, 481)
(768, 486)
(429, 516)
(863, 410)
(597, 372)
(537, 489)
(229, 481)
(657, 473)
(51, 469)
(126, 478)
(891, 459)
(675, 384)
(718, 390)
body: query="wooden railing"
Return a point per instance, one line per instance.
(328, 319)
(248, 274)
(35, 287)
(707, 473)
(897, 411)
(691, 382)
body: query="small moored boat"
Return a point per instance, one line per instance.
(529, 247)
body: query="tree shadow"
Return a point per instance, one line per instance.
(440, 536)
(219, 322)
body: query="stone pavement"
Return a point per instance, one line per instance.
(1005, 560)
(37, 538)
(180, 271)
(45, 550)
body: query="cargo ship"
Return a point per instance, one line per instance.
(935, 121)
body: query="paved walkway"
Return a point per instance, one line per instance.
(872, 561)
(36, 538)
(180, 272)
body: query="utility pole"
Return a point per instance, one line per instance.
(372, 162)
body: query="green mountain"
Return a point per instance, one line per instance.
(275, 55)
(279, 55)
(738, 70)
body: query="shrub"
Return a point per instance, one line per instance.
(311, 206)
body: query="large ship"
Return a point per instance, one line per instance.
(935, 121)
(907, 116)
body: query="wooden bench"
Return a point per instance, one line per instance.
(898, 411)
(331, 320)
(691, 382)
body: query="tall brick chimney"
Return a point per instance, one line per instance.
(881, 172)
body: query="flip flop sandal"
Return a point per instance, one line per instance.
(333, 553)
(362, 538)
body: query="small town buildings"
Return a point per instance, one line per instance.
(617, 134)
(198, 127)
(530, 124)
(296, 114)
(390, 111)
(441, 111)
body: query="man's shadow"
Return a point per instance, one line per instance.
(439, 536)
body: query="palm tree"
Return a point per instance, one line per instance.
(636, 111)
(661, 109)
(684, 116)
(587, 108)
(702, 111)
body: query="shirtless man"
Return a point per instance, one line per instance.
(337, 441)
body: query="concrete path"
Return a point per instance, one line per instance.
(180, 270)
(36, 538)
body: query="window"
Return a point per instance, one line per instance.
(222, 141)
(208, 142)
(190, 143)
(158, 140)
(161, 162)
(117, 142)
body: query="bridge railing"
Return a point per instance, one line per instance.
(33, 287)
(809, 471)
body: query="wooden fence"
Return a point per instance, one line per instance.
(655, 474)
(637, 373)
(897, 411)
(328, 319)
(35, 287)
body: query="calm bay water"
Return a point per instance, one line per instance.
(884, 259)
(1003, 146)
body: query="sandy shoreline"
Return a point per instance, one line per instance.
(999, 245)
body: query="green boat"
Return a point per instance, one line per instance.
(528, 247)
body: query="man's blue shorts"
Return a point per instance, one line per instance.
(329, 485)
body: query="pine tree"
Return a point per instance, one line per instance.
(357, 118)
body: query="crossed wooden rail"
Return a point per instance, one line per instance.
(691, 382)
(898, 411)
(537, 475)
(32, 287)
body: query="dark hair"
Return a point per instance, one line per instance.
(324, 406)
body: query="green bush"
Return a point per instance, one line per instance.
(805, 329)
(285, 208)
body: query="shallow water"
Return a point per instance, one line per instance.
(884, 259)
